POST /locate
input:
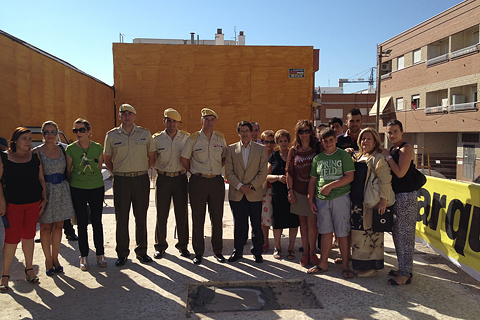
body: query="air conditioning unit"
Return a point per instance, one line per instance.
(445, 102)
(386, 67)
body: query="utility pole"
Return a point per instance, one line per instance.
(379, 79)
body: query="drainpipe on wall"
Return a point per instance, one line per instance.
(114, 107)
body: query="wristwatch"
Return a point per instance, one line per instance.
(388, 158)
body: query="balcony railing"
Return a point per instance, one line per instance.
(441, 58)
(386, 76)
(464, 51)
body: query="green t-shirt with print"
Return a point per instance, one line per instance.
(330, 167)
(86, 171)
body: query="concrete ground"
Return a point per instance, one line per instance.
(158, 290)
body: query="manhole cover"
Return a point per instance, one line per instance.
(207, 297)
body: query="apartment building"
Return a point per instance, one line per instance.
(335, 103)
(430, 81)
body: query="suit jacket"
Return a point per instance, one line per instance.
(255, 173)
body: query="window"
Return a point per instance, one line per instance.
(417, 56)
(399, 104)
(332, 113)
(364, 111)
(415, 102)
(470, 137)
(400, 63)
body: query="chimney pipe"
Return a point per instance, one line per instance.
(219, 38)
(241, 39)
(192, 37)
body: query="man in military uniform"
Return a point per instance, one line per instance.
(171, 182)
(204, 155)
(129, 153)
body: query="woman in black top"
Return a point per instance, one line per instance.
(282, 217)
(25, 195)
(400, 158)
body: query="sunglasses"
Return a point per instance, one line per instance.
(268, 142)
(53, 132)
(307, 131)
(81, 130)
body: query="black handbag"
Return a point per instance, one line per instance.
(383, 222)
(418, 178)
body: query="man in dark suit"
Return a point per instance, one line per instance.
(246, 170)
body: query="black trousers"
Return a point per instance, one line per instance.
(94, 198)
(241, 211)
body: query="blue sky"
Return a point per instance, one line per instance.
(346, 32)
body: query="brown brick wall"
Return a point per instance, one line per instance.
(35, 88)
(238, 82)
(346, 102)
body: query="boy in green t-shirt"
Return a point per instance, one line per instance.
(329, 198)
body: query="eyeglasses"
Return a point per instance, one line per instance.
(306, 131)
(268, 142)
(81, 130)
(53, 132)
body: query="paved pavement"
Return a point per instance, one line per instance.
(158, 290)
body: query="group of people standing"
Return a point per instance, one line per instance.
(314, 185)
(337, 196)
(48, 185)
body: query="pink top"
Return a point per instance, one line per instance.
(298, 166)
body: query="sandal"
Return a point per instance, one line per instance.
(4, 287)
(58, 269)
(316, 269)
(49, 272)
(314, 259)
(304, 261)
(101, 261)
(31, 279)
(291, 254)
(84, 263)
(276, 253)
(348, 274)
(265, 249)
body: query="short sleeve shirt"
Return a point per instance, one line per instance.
(330, 167)
(129, 151)
(205, 156)
(86, 170)
(168, 150)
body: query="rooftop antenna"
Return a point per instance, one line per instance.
(121, 37)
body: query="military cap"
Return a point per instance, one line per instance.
(209, 112)
(126, 107)
(172, 114)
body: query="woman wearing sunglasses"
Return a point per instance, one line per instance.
(84, 163)
(59, 204)
(299, 163)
